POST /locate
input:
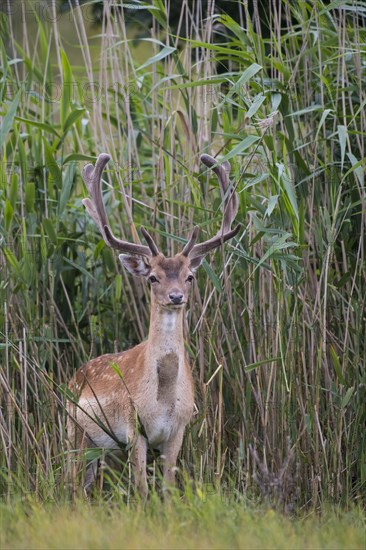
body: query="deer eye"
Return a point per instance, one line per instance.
(153, 279)
(190, 278)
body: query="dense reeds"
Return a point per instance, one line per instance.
(276, 322)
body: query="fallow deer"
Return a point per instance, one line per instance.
(144, 396)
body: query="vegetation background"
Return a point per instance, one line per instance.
(276, 322)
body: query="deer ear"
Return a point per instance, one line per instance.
(135, 265)
(195, 263)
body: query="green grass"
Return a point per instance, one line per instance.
(211, 523)
(281, 309)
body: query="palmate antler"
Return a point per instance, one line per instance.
(92, 176)
(230, 209)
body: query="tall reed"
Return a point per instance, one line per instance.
(276, 323)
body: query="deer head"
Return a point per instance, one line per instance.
(170, 278)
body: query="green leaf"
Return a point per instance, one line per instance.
(322, 120)
(8, 120)
(357, 168)
(212, 276)
(43, 245)
(247, 142)
(289, 187)
(12, 261)
(78, 156)
(167, 50)
(51, 164)
(118, 287)
(23, 161)
(347, 397)
(70, 396)
(257, 102)
(98, 249)
(217, 48)
(159, 14)
(41, 125)
(140, 7)
(272, 201)
(13, 194)
(30, 196)
(116, 369)
(108, 258)
(342, 135)
(237, 29)
(50, 231)
(256, 179)
(343, 280)
(247, 75)
(79, 268)
(66, 186)
(278, 244)
(94, 453)
(253, 366)
(276, 99)
(306, 110)
(308, 423)
(8, 214)
(72, 118)
(337, 365)
(195, 83)
(66, 95)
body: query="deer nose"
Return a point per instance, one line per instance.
(176, 297)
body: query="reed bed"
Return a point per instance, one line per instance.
(276, 322)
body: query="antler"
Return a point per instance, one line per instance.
(230, 208)
(92, 176)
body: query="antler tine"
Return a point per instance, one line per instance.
(150, 241)
(231, 202)
(230, 208)
(92, 176)
(190, 244)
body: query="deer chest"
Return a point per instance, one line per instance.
(167, 370)
(171, 400)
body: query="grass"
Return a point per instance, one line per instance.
(192, 524)
(276, 324)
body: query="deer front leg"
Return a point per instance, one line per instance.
(138, 456)
(169, 455)
(90, 476)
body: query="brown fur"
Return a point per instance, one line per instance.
(149, 386)
(168, 367)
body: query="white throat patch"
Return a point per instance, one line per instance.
(169, 321)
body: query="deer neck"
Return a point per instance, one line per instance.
(165, 332)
